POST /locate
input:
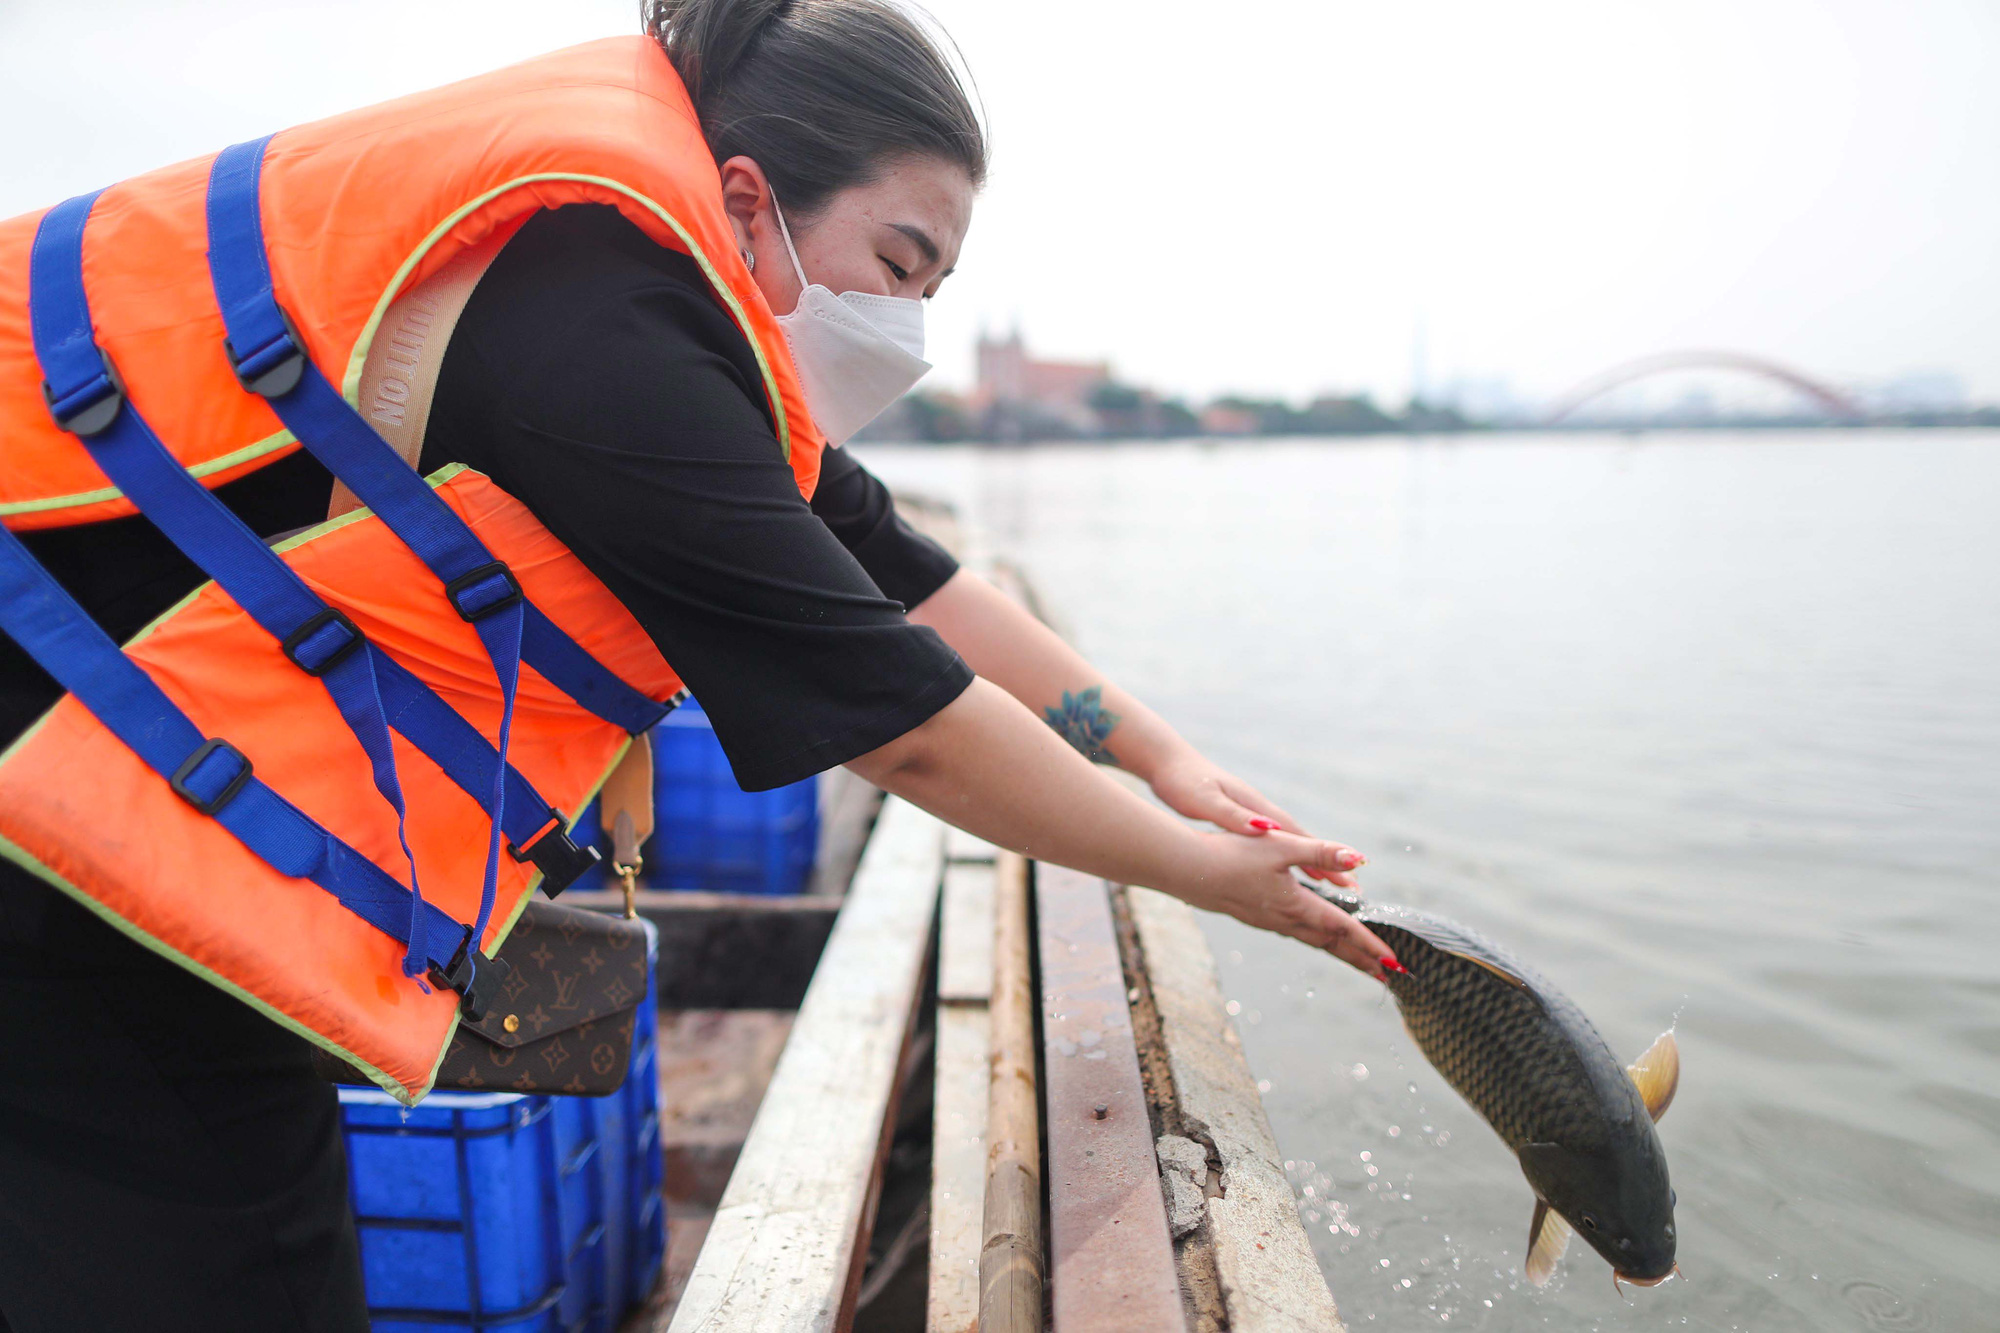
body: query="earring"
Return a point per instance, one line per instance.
(749, 260)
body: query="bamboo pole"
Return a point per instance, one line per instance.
(1010, 1259)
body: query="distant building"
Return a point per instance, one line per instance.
(1229, 419)
(1019, 395)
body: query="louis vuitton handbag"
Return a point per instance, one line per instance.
(562, 1021)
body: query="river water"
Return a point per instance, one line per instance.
(1706, 726)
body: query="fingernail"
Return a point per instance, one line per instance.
(1389, 964)
(1350, 860)
(1266, 825)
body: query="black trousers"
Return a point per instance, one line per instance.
(168, 1159)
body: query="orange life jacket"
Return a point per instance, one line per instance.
(253, 783)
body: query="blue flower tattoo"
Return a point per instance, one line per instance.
(1086, 723)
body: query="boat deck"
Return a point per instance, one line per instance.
(948, 1089)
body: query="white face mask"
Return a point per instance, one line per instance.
(856, 353)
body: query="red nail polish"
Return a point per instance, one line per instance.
(1265, 824)
(1389, 964)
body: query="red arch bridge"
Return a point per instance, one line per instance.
(1832, 400)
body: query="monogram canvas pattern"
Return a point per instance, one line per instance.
(563, 1021)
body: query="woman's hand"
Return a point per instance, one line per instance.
(1193, 786)
(1250, 879)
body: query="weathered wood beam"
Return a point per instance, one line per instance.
(791, 1232)
(958, 1119)
(1111, 1260)
(1010, 1256)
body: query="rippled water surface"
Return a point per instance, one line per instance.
(1705, 726)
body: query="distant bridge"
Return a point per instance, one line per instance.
(1833, 400)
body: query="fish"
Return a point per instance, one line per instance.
(1522, 1054)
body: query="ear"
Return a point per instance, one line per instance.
(746, 195)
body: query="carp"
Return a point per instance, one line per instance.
(1523, 1055)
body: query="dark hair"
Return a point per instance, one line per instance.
(822, 94)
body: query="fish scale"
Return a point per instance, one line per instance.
(1526, 1058)
(1494, 1043)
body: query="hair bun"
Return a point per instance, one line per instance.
(707, 39)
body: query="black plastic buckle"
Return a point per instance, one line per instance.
(474, 976)
(275, 368)
(296, 640)
(466, 582)
(90, 408)
(561, 861)
(210, 805)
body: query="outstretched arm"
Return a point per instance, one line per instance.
(1008, 646)
(988, 765)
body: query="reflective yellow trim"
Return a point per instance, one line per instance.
(268, 444)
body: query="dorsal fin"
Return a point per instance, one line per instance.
(1516, 982)
(1548, 1237)
(1658, 1073)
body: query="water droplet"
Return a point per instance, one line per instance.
(1395, 1131)
(1232, 1008)
(1359, 1072)
(1367, 1156)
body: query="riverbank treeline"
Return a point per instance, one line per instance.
(1114, 411)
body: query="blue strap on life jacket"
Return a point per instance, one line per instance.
(270, 359)
(81, 387)
(216, 779)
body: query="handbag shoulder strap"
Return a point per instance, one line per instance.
(399, 376)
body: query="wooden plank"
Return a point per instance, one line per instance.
(714, 1067)
(965, 941)
(1010, 1251)
(729, 950)
(1111, 1260)
(1269, 1280)
(958, 1117)
(958, 1168)
(785, 1249)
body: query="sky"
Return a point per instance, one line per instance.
(1274, 197)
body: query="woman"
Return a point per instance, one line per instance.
(167, 1157)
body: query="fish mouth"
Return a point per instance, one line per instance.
(1668, 1276)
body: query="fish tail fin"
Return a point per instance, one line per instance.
(1658, 1073)
(1548, 1237)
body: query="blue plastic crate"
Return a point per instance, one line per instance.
(485, 1211)
(708, 832)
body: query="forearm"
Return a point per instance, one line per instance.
(1005, 644)
(987, 765)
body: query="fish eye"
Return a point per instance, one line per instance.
(1589, 1221)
